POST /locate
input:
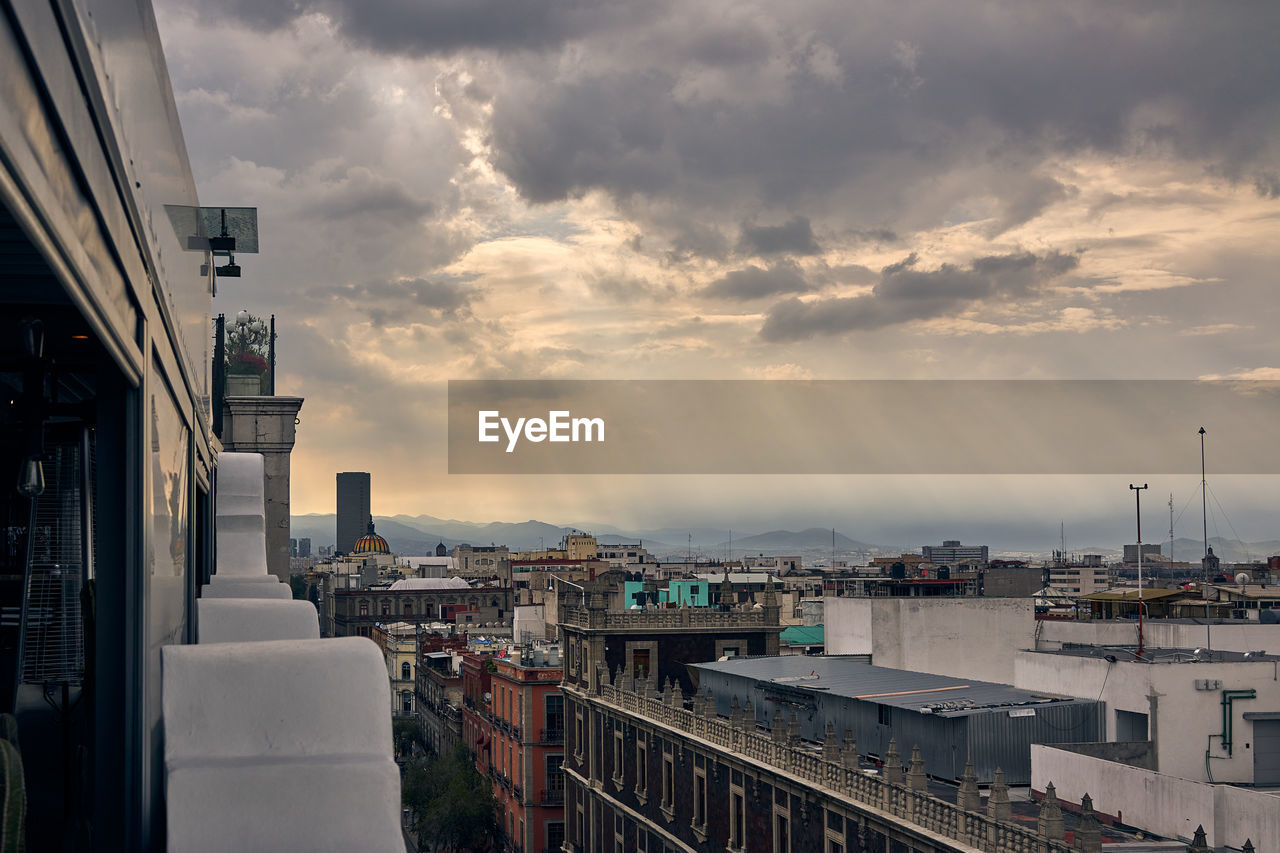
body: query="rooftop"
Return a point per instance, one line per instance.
(851, 678)
(803, 635)
(409, 584)
(1129, 654)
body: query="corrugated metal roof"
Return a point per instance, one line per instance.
(850, 678)
(1131, 594)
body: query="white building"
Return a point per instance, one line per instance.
(1079, 580)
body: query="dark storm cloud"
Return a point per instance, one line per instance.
(1004, 90)
(905, 293)
(625, 288)
(424, 27)
(372, 196)
(1267, 184)
(406, 301)
(794, 237)
(754, 282)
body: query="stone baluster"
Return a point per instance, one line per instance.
(892, 770)
(917, 780)
(998, 805)
(1050, 823)
(967, 796)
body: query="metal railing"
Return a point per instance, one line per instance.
(915, 808)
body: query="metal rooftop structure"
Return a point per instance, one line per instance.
(851, 677)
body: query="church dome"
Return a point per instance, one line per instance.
(371, 543)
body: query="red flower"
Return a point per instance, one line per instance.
(250, 360)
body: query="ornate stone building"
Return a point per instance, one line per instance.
(355, 612)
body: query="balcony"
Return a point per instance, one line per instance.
(551, 736)
(552, 797)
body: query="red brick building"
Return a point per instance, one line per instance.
(513, 720)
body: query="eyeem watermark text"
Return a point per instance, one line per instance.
(559, 426)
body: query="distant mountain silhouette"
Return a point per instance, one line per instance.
(419, 534)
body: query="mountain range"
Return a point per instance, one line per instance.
(419, 534)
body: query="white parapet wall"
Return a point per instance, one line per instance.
(241, 515)
(241, 532)
(1183, 714)
(239, 620)
(280, 745)
(961, 637)
(1233, 636)
(1159, 803)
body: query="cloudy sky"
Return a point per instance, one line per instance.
(602, 189)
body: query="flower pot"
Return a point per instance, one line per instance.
(243, 385)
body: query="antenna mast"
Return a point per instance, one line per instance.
(1137, 497)
(1204, 503)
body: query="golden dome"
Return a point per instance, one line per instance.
(371, 543)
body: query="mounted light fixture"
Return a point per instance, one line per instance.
(31, 478)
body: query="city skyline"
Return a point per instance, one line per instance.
(736, 191)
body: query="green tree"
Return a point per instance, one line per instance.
(406, 733)
(452, 805)
(298, 583)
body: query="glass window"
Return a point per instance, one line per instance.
(555, 835)
(555, 778)
(166, 541)
(737, 819)
(555, 713)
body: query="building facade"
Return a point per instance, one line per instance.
(353, 513)
(516, 731)
(951, 552)
(1080, 580)
(482, 561)
(356, 612)
(656, 772)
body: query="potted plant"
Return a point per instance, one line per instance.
(248, 341)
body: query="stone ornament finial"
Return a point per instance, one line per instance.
(849, 751)
(917, 779)
(1248, 846)
(1199, 843)
(830, 747)
(998, 805)
(892, 770)
(776, 731)
(1050, 824)
(1088, 835)
(967, 795)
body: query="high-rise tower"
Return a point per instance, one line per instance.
(353, 508)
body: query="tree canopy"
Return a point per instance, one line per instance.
(452, 804)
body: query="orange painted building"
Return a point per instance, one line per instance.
(513, 720)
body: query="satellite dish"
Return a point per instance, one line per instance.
(1242, 578)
